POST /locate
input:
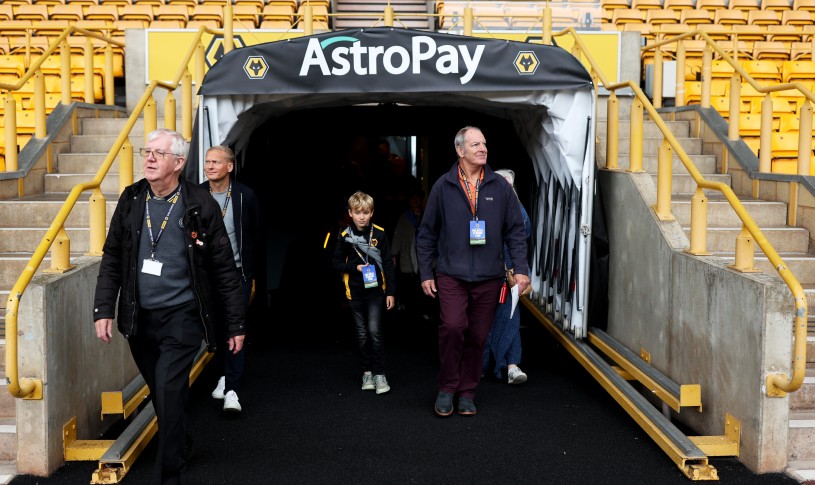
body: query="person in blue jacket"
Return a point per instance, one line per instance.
(471, 214)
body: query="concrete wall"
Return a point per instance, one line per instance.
(701, 322)
(58, 344)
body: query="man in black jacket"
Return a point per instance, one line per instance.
(168, 259)
(241, 213)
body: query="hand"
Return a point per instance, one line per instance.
(429, 288)
(390, 302)
(104, 329)
(236, 343)
(523, 282)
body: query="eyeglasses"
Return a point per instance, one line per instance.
(157, 154)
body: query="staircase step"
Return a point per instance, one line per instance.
(40, 211)
(90, 162)
(684, 184)
(803, 471)
(109, 126)
(680, 129)
(783, 239)
(65, 182)
(8, 403)
(801, 443)
(706, 164)
(92, 143)
(13, 265)
(804, 398)
(721, 214)
(8, 470)
(22, 239)
(8, 438)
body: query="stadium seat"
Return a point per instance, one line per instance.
(72, 12)
(750, 33)
(247, 15)
(795, 71)
(258, 4)
(6, 12)
(84, 3)
(278, 12)
(776, 4)
(196, 24)
(770, 50)
(276, 24)
(646, 4)
(35, 12)
(743, 5)
(749, 124)
(800, 51)
(621, 16)
(50, 28)
(711, 4)
(695, 17)
(172, 12)
(142, 13)
(717, 32)
(661, 17)
(614, 4)
(784, 33)
(167, 24)
(762, 69)
(105, 12)
(678, 4)
(208, 12)
(763, 17)
(729, 17)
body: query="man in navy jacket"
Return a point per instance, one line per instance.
(471, 213)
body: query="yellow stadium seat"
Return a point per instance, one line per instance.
(248, 15)
(208, 12)
(796, 17)
(749, 124)
(795, 71)
(6, 12)
(721, 69)
(273, 24)
(784, 33)
(72, 12)
(776, 4)
(614, 4)
(196, 24)
(762, 69)
(763, 17)
(678, 4)
(50, 28)
(646, 4)
(167, 24)
(785, 144)
(172, 11)
(750, 33)
(729, 17)
(711, 4)
(84, 3)
(744, 49)
(105, 12)
(115, 3)
(801, 51)
(661, 16)
(743, 5)
(35, 12)
(142, 13)
(278, 12)
(770, 50)
(695, 17)
(622, 16)
(804, 5)
(789, 122)
(258, 4)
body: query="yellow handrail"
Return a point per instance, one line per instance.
(31, 388)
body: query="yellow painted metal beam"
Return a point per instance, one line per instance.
(81, 450)
(114, 471)
(727, 445)
(113, 402)
(694, 467)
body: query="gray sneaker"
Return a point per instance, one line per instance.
(516, 376)
(381, 384)
(368, 382)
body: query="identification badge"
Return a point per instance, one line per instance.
(151, 266)
(369, 276)
(478, 232)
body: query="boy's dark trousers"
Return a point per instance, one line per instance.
(368, 315)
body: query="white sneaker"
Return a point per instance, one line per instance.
(218, 393)
(231, 402)
(368, 382)
(381, 384)
(516, 376)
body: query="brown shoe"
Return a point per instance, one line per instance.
(466, 406)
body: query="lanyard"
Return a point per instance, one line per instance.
(473, 205)
(154, 242)
(226, 202)
(370, 238)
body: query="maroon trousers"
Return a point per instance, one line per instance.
(467, 310)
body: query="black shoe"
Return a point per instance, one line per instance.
(466, 406)
(444, 404)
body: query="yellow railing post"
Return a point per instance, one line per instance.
(65, 72)
(308, 20)
(698, 223)
(10, 106)
(636, 137)
(97, 223)
(679, 100)
(664, 182)
(39, 105)
(612, 132)
(468, 20)
(109, 88)
(765, 136)
(150, 117)
(804, 138)
(60, 253)
(229, 35)
(656, 89)
(125, 165)
(547, 25)
(89, 95)
(792, 205)
(745, 252)
(186, 105)
(200, 63)
(734, 108)
(707, 63)
(169, 111)
(388, 16)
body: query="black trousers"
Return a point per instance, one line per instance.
(164, 348)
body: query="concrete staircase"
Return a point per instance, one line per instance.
(792, 243)
(24, 222)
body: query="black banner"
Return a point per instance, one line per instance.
(386, 59)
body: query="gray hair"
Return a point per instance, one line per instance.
(459, 140)
(179, 146)
(507, 174)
